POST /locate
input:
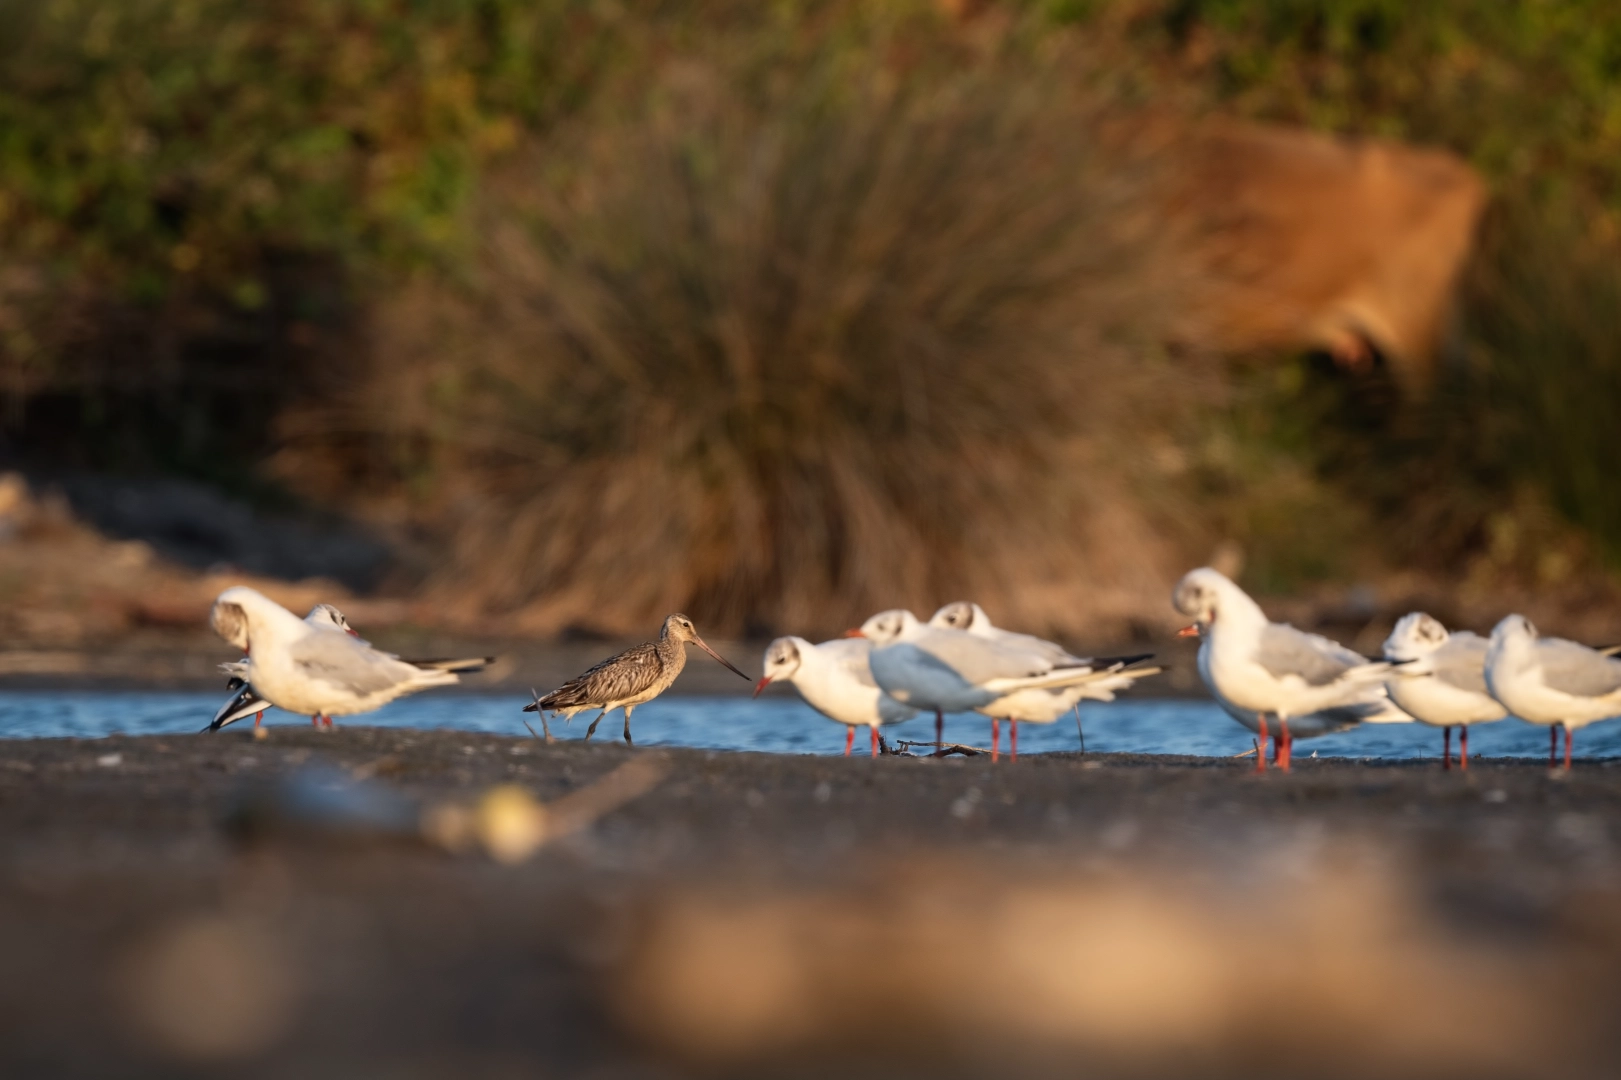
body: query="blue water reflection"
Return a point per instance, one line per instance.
(784, 725)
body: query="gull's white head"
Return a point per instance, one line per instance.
(960, 615)
(1512, 631)
(888, 627)
(782, 660)
(239, 612)
(1511, 651)
(1415, 636)
(1204, 595)
(328, 615)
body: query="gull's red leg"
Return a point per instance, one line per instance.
(1463, 746)
(1260, 754)
(1286, 744)
(1446, 748)
(258, 716)
(1013, 738)
(996, 738)
(1568, 734)
(315, 721)
(874, 731)
(849, 740)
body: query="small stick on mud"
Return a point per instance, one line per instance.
(943, 749)
(580, 808)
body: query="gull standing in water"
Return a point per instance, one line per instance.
(632, 678)
(1551, 681)
(1042, 705)
(1257, 668)
(834, 679)
(1441, 680)
(319, 671)
(247, 701)
(949, 670)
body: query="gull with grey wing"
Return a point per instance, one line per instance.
(1256, 668)
(836, 680)
(1551, 681)
(315, 670)
(1440, 680)
(1040, 705)
(948, 670)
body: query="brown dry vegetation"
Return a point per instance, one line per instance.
(784, 357)
(778, 314)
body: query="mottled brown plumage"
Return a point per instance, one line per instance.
(637, 675)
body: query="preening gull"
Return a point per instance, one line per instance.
(317, 670)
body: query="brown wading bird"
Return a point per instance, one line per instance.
(635, 676)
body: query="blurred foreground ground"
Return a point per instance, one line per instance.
(757, 915)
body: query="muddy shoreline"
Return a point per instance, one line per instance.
(394, 958)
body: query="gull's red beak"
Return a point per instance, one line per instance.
(761, 685)
(1189, 631)
(351, 631)
(854, 631)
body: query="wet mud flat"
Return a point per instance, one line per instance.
(167, 908)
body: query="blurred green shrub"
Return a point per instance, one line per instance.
(147, 141)
(195, 194)
(1530, 92)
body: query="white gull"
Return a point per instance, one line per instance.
(954, 671)
(835, 680)
(318, 670)
(1550, 680)
(1256, 668)
(1042, 705)
(1440, 680)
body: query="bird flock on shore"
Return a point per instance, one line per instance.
(1279, 682)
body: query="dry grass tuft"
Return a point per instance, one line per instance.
(782, 349)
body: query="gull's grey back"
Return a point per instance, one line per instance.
(1461, 662)
(1577, 670)
(334, 657)
(1319, 661)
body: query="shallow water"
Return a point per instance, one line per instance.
(783, 724)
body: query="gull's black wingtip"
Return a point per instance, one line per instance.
(1122, 661)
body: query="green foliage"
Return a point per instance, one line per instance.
(148, 142)
(1530, 92)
